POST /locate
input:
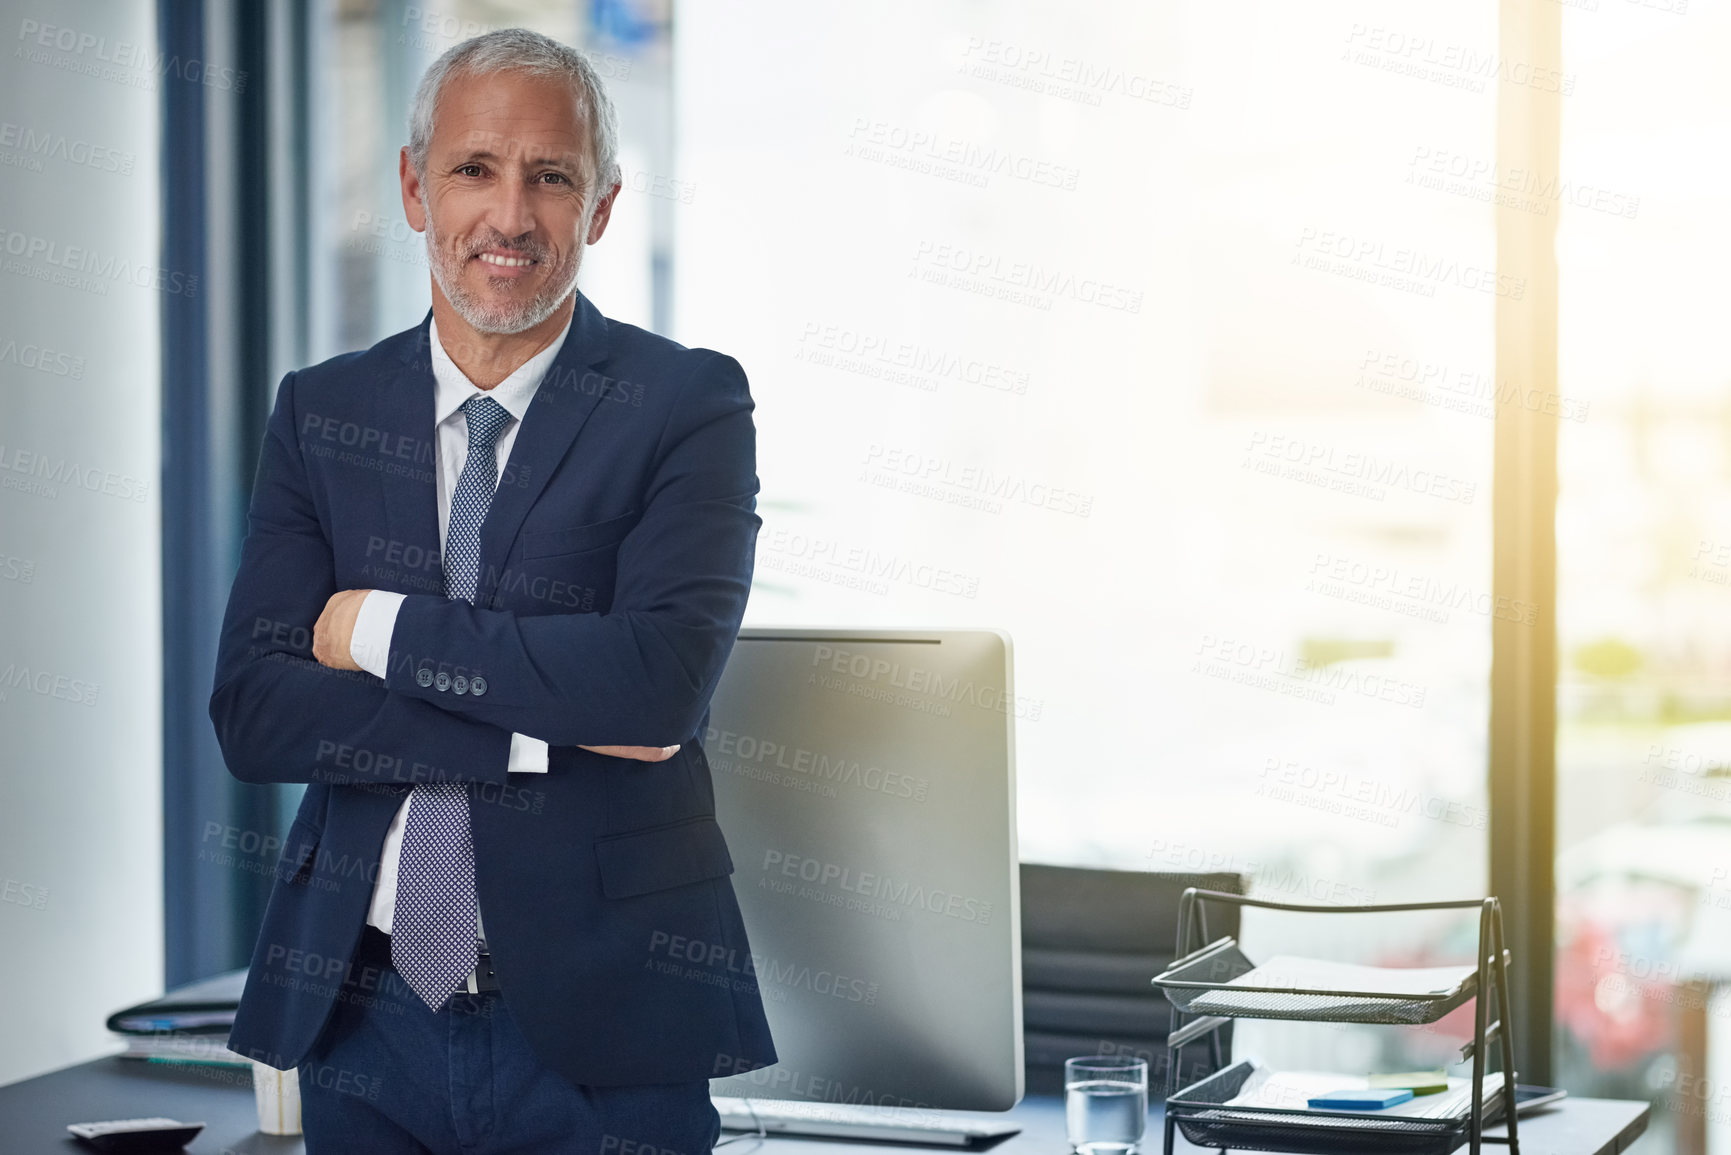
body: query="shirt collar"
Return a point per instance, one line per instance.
(453, 387)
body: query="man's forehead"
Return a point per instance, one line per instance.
(512, 116)
(529, 147)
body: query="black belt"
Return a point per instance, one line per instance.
(376, 944)
(482, 979)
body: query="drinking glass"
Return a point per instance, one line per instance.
(1105, 1103)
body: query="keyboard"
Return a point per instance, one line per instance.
(854, 1121)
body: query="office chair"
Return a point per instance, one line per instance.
(1091, 940)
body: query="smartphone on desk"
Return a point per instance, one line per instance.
(1529, 1099)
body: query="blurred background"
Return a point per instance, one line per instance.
(1329, 399)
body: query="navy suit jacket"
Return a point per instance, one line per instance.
(615, 563)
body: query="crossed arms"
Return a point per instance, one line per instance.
(639, 675)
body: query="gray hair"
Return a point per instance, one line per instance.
(520, 50)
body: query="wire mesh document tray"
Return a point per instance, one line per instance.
(1213, 984)
(1220, 980)
(1202, 1113)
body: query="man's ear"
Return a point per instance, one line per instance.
(603, 213)
(413, 207)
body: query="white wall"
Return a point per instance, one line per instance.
(80, 623)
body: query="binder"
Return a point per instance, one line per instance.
(187, 1024)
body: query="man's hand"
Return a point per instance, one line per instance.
(638, 753)
(335, 627)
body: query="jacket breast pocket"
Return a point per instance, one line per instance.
(576, 538)
(662, 857)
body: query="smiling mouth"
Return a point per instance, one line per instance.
(503, 261)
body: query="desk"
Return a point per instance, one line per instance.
(34, 1114)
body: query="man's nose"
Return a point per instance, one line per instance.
(511, 210)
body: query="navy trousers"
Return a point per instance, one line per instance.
(389, 1076)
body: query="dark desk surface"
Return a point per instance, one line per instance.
(35, 1112)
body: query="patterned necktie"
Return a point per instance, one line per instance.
(433, 926)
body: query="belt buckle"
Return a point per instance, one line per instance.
(481, 980)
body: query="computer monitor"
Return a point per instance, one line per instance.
(865, 780)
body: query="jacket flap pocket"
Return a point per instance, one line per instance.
(576, 538)
(661, 857)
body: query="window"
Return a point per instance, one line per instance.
(1644, 558)
(1162, 339)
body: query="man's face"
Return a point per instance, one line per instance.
(508, 199)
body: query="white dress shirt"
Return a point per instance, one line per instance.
(370, 644)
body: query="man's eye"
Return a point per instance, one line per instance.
(470, 170)
(555, 176)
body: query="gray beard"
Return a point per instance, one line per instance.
(487, 318)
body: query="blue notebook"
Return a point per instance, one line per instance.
(1373, 1099)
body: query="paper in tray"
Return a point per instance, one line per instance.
(1293, 1090)
(1313, 979)
(1239, 1108)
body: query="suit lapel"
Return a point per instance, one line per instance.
(402, 417)
(556, 414)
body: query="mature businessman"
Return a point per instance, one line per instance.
(494, 567)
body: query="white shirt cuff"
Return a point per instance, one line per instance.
(528, 755)
(370, 644)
